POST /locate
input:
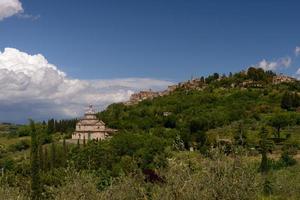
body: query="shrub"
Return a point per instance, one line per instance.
(77, 185)
(287, 160)
(20, 145)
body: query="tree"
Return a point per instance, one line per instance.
(198, 124)
(35, 165)
(295, 100)
(65, 150)
(51, 126)
(84, 142)
(46, 159)
(265, 145)
(290, 100)
(53, 155)
(279, 121)
(287, 101)
(78, 144)
(240, 135)
(41, 157)
(256, 74)
(170, 122)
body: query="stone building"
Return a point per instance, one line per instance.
(89, 127)
(142, 95)
(282, 79)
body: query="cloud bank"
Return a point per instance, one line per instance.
(9, 8)
(31, 87)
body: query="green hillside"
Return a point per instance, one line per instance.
(213, 111)
(219, 137)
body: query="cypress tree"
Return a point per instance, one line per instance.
(53, 155)
(51, 126)
(78, 144)
(41, 157)
(46, 159)
(65, 151)
(84, 141)
(265, 145)
(35, 167)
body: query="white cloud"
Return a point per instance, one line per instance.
(297, 51)
(274, 65)
(9, 8)
(32, 87)
(297, 74)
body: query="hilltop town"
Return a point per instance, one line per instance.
(202, 83)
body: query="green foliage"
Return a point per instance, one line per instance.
(267, 187)
(286, 160)
(265, 145)
(230, 109)
(23, 131)
(290, 100)
(35, 167)
(144, 151)
(19, 146)
(240, 135)
(279, 121)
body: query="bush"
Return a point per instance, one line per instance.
(287, 160)
(191, 177)
(77, 185)
(20, 145)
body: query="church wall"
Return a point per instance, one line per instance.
(91, 136)
(89, 128)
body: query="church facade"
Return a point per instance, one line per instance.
(90, 128)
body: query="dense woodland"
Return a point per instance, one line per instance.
(222, 140)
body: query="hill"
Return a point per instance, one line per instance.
(215, 137)
(215, 108)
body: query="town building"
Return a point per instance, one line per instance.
(282, 79)
(90, 128)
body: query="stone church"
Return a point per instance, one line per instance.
(89, 127)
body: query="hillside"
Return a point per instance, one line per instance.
(213, 107)
(216, 137)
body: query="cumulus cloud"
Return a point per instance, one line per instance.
(297, 51)
(284, 62)
(31, 87)
(9, 8)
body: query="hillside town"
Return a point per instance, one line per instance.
(200, 84)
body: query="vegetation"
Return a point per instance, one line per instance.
(230, 137)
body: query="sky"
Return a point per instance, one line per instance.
(59, 56)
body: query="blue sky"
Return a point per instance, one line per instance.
(58, 56)
(165, 39)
